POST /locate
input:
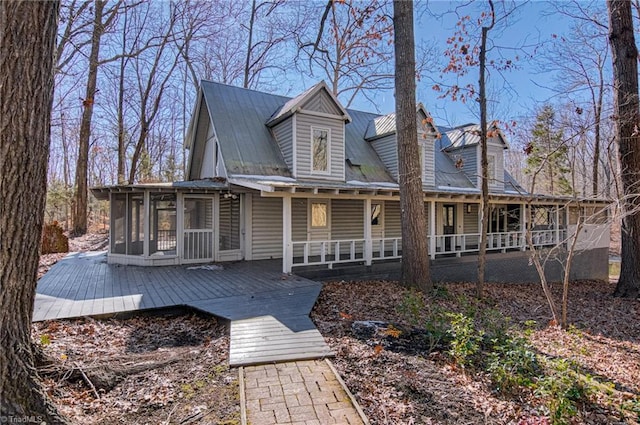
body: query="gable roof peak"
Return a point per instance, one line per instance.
(295, 103)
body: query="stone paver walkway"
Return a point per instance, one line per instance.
(297, 393)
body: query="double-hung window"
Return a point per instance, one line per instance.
(320, 150)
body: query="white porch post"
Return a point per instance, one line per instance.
(180, 226)
(556, 225)
(432, 229)
(287, 253)
(523, 226)
(147, 223)
(368, 243)
(216, 226)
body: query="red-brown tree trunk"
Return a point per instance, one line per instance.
(624, 55)
(415, 260)
(27, 42)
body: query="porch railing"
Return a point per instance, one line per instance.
(308, 253)
(198, 244)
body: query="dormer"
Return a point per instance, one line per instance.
(310, 131)
(381, 133)
(464, 151)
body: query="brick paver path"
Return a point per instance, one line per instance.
(297, 393)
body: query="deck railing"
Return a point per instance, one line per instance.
(309, 253)
(198, 245)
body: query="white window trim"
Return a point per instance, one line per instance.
(316, 172)
(310, 203)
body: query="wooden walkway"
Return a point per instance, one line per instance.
(269, 312)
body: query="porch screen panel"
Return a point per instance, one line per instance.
(162, 238)
(198, 228)
(135, 210)
(119, 224)
(229, 223)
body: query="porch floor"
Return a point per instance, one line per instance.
(269, 312)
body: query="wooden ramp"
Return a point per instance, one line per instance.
(269, 339)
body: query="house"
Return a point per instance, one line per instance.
(308, 182)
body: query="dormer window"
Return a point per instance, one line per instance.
(491, 167)
(320, 144)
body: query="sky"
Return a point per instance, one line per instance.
(526, 85)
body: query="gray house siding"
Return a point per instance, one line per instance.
(387, 150)
(347, 222)
(470, 224)
(498, 151)
(469, 158)
(392, 226)
(322, 102)
(266, 223)
(428, 173)
(304, 123)
(347, 219)
(283, 133)
(229, 223)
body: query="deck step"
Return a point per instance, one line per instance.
(269, 339)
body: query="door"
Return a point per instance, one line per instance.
(198, 230)
(448, 225)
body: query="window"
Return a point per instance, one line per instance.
(320, 150)
(491, 167)
(376, 214)
(319, 214)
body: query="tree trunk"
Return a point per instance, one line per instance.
(247, 63)
(122, 149)
(81, 195)
(415, 260)
(626, 106)
(27, 42)
(484, 162)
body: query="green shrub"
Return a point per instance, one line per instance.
(512, 364)
(564, 387)
(412, 307)
(465, 339)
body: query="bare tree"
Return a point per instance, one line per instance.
(624, 54)
(102, 19)
(27, 43)
(354, 54)
(580, 61)
(153, 72)
(415, 260)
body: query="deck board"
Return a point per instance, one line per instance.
(266, 339)
(268, 311)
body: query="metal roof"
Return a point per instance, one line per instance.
(468, 135)
(239, 116)
(447, 175)
(248, 148)
(292, 104)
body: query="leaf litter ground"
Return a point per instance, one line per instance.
(174, 369)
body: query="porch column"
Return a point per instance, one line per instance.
(523, 226)
(556, 225)
(287, 253)
(368, 243)
(179, 226)
(432, 229)
(147, 223)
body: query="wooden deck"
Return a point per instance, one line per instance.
(269, 312)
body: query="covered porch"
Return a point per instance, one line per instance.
(176, 223)
(329, 232)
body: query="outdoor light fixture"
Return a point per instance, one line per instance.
(230, 195)
(468, 208)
